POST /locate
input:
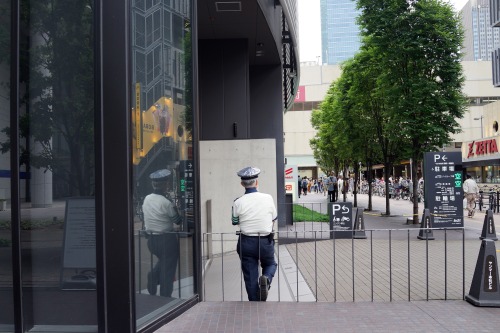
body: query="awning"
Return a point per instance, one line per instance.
(479, 163)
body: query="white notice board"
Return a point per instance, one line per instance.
(79, 233)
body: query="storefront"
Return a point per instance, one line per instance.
(481, 160)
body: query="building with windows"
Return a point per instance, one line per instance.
(97, 97)
(340, 38)
(315, 82)
(480, 37)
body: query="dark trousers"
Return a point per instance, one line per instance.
(331, 196)
(166, 248)
(252, 250)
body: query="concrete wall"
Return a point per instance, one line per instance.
(219, 163)
(297, 124)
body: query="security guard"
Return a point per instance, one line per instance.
(160, 216)
(255, 213)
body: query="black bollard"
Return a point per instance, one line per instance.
(424, 224)
(359, 225)
(489, 227)
(484, 289)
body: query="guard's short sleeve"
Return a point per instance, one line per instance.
(235, 216)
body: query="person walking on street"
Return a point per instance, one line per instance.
(331, 183)
(340, 187)
(304, 185)
(255, 213)
(471, 191)
(161, 220)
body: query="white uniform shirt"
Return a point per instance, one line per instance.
(470, 186)
(159, 213)
(256, 213)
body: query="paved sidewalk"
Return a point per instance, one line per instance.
(305, 298)
(420, 316)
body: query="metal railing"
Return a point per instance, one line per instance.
(390, 264)
(488, 200)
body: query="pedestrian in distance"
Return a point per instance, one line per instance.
(161, 220)
(471, 192)
(331, 183)
(255, 214)
(305, 182)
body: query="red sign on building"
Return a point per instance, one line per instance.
(484, 147)
(301, 94)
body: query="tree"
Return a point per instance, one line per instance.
(418, 45)
(59, 101)
(365, 120)
(323, 144)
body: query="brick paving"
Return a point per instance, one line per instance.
(290, 317)
(317, 293)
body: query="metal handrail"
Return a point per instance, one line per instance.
(317, 272)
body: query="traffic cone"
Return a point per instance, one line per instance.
(489, 227)
(424, 224)
(359, 225)
(484, 290)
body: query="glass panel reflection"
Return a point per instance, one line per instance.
(6, 294)
(57, 164)
(163, 161)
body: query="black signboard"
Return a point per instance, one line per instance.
(186, 192)
(341, 219)
(443, 192)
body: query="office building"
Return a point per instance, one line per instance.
(340, 38)
(481, 39)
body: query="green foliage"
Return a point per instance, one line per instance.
(4, 32)
(418, 48)
(401, 94)
(33, 224)
(303, 214)
(57, 60)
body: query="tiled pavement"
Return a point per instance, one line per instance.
(415, 316)
(328, 284)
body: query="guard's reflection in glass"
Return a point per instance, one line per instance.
(161, 220)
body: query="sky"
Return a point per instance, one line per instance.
(310, 28)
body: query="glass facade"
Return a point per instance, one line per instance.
(57, 161)
(340, 38)
(6, 285)
(50, 201)
(489, 174)
(100, 214)
(163, 143)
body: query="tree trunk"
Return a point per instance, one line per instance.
(387, 170)
(355, 186)
(369, 179)
(414, 164)
(344, 192)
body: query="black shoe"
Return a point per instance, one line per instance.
(152, 285)
(264, 287)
